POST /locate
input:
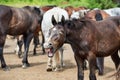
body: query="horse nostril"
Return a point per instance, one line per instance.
(50, 44)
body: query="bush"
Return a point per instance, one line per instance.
(102, 4)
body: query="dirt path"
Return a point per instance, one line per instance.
(37, 70)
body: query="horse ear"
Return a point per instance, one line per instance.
(63, 19)
(53, 20)
(37, 10)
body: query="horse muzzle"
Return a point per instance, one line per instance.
(49, 49)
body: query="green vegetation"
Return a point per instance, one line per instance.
(62, 3)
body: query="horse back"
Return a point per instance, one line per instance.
(20, 16)
(22, 20)
(108, 35)
(5, 16)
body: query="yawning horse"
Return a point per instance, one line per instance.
(18, 21)
(53, 63)
(89, 39)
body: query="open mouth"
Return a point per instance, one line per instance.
(50, 51)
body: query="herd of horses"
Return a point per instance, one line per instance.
(98, 35)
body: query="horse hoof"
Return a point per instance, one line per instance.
(49, 69)
(56, 69)
(34, 54)
(20, 55)
(100, 73)
(25, 65)
(6, 69)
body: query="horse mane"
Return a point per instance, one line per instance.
(32, 9)
(51, 6)
(98, 15)
(75, 24)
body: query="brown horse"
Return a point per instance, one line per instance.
(18, 21)
(92, 14)
(71, 9)
(98, 15)
(89, 39)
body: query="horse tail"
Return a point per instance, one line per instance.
(98, 16)
(116, 74)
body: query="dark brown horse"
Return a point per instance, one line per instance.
(98, 15)
(89, 39)
(36, 40)
(18, 21)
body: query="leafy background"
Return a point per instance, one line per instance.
(102, 4)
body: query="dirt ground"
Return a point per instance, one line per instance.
(37, 69)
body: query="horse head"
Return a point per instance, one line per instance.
(37, 12)
(56, 37)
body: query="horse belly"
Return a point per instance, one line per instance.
(17, 30)
(105, 48)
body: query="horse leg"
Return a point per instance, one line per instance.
(43, 40)
(19, 44)
(27, 39)
(92, 64)
(116, 59)
(100, 65)
(80, 63)
(55, 61)
(85, 65)
(61, 57)
(36, 42)
(3, 63)
(49, 64)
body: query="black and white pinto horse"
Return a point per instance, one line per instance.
(113, 11)
(18, 21)
(53, 63)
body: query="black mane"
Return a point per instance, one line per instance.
(76, 24)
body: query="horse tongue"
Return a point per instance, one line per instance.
(50, 54)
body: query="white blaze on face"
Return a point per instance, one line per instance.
(54, 29)
(48, 39)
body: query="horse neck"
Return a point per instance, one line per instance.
(76, 35)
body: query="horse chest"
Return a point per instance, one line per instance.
(106, 47)
(81, 49)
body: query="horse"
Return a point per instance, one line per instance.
(89, 13)
(113, 11)
(71, 9)
(36, 40)
(18, 21)
(53, 63)
(79, 14)
(95, 15)
(89, 39)
(98, 15)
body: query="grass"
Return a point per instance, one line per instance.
(61, 3)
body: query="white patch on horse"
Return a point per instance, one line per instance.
(54, 29)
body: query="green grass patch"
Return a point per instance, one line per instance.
(62, 3)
